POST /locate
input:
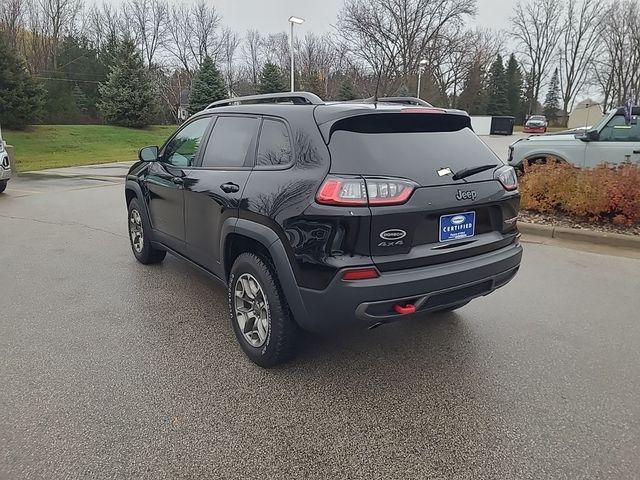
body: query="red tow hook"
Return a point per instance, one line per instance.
(408, 309)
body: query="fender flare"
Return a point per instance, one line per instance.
(137, 190)
(545, 154)
(135, 187)
(270, 240)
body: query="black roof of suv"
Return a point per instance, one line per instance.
(324, 215)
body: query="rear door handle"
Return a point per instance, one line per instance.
(230, 187)
(177, 180)
(636, 152)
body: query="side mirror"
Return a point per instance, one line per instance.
(148, 154)
(593, 135)
(590, 136)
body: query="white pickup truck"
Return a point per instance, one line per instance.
(5, 166)
(612, 140)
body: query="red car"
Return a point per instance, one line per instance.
(536, 124)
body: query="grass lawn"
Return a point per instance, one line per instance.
(50, 146)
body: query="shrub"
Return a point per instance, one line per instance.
(604, 193)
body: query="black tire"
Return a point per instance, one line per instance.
(280, 343)
(452, 307)
(3, 185)
(145, 252)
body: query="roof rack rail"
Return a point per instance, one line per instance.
(401, 100)
(297, 98)
(406, 100)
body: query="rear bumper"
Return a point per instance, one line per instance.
(370, 302)
(534, 130)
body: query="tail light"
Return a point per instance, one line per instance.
(359, 191)
(507, 177)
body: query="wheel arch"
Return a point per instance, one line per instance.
(241, 235)
(132, 190)
(544, 154)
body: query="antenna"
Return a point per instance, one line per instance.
(375, 96)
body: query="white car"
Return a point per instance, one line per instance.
(5, 166)
(612, 140)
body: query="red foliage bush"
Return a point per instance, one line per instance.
(604, 193)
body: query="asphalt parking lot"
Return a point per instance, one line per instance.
(111, 369)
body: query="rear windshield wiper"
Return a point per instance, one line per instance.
(467, 172)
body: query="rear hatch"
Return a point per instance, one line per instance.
(445, 218)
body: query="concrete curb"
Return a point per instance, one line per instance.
(575, 235)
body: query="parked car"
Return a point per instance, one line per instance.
(610, 141)
(322, 216)
(536, 124)
(5, 166)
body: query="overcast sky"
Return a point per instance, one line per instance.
(269, 16)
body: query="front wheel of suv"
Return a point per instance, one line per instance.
(3, 185)
(139, 228)
(260, 316)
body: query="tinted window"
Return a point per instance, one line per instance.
(230, 142)
(274, 147)
(379, 146)
(617, 130)
(183, 147)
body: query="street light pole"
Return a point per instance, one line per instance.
(420, 67)
(293, 21)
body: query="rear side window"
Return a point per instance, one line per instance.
(230, 142)
(274, 146)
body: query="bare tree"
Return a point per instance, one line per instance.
(180, 31)
(11, 17)
(617, 68)
(230, 43)
(456, 52)
(578, 47)
(537, 27)
(392, 36)
(316, 62)
(251, 51)
(103, 24)
(204, 23)
(59, 18)
(149, 21)
(276, 50)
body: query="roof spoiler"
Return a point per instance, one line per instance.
(296, 98)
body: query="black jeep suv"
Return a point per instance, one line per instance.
(324, 215)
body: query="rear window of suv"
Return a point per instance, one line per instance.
(407, 145)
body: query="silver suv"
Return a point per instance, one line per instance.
(612, 140)
(5, 166)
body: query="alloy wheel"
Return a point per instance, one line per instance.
(251, 310)
(136, 231)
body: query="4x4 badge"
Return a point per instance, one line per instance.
(466, 195)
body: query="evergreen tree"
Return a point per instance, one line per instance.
(497, 103)
(473, 97)
(208, 86)
(81, 100)
(21, 97)
(514, 88)
(552, 100)
(346, 91)
(270, 80)
(128, 97)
